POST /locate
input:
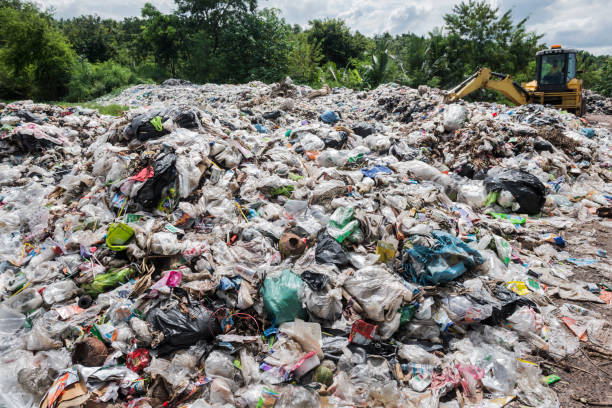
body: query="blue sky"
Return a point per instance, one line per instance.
(579, 24)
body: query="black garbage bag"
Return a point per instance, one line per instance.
(466, 170)
(335, 139)
(316, 281)
(176, 82)
(29, 117)
(510, 301)
(272, 115)
(147, 126)
(30, 144)
(542, 145)
(187, 120)
(181, 329)
(165, 176)
(364, 129)
(527, 190)
(330, 251)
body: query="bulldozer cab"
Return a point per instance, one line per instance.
(555, 67)
(555, 84)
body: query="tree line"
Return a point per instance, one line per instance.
(233, 41)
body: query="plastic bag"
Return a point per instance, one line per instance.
(416, 354)
(447, 260)
(379, 293)
(59, 292)
(249, 368)
(330, 251)
(454, 116)
(104, 283)
(164, 179)
(281, 297)
(472, 194)
(165, 243)
(143, 333)
(219, 364)
(25, 301)
(182, 330)
(527, 189)
(504, 250)
(526, 321)
(326, 305)
(463, 309)
(315, 281)
(508, 303)
(10, 320)
(531, 391)
(117, 235)
(308, 335)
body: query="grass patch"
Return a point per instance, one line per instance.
(112, 110)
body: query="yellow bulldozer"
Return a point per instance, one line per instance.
(555, 84)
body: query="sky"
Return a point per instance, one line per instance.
(582, 24)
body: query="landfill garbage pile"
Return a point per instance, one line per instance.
(597, 103)
(273, 245)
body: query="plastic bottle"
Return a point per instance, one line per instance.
(25, 301)
(10, 320)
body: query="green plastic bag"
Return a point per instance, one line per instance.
(491, 198)
(157, 123)
(285, 190)
(514, 219)
(117, 235)
(281, 297)
(107, 281)
(341, 217)
(504, 250)
(342, 225)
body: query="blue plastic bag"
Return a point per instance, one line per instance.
(261, 128)
(442, 263)
(588, 132)
(330, 117)
(375, 170)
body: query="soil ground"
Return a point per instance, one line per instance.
(594, 384)
(599, 120)
(590, 375)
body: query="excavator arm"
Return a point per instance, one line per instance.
(484, 79)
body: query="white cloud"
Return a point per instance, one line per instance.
(582, 24)
(108, 8)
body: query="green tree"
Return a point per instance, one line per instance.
(161, 33)
(89, 81)
(337, 43)
(254, 47)
(304, 60)
(91, 37)
(213, 15)
(479, 37)
(378, 64)
(603, 82)
(35, 57)
(341, 77)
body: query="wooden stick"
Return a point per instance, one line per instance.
(566, 366)
(598, 367)
(597, 349)
(594, 403)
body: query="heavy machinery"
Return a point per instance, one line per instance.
(555, 84)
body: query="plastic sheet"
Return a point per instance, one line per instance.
(281, 297)
(448, 259)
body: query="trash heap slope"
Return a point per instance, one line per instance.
(273, 245)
